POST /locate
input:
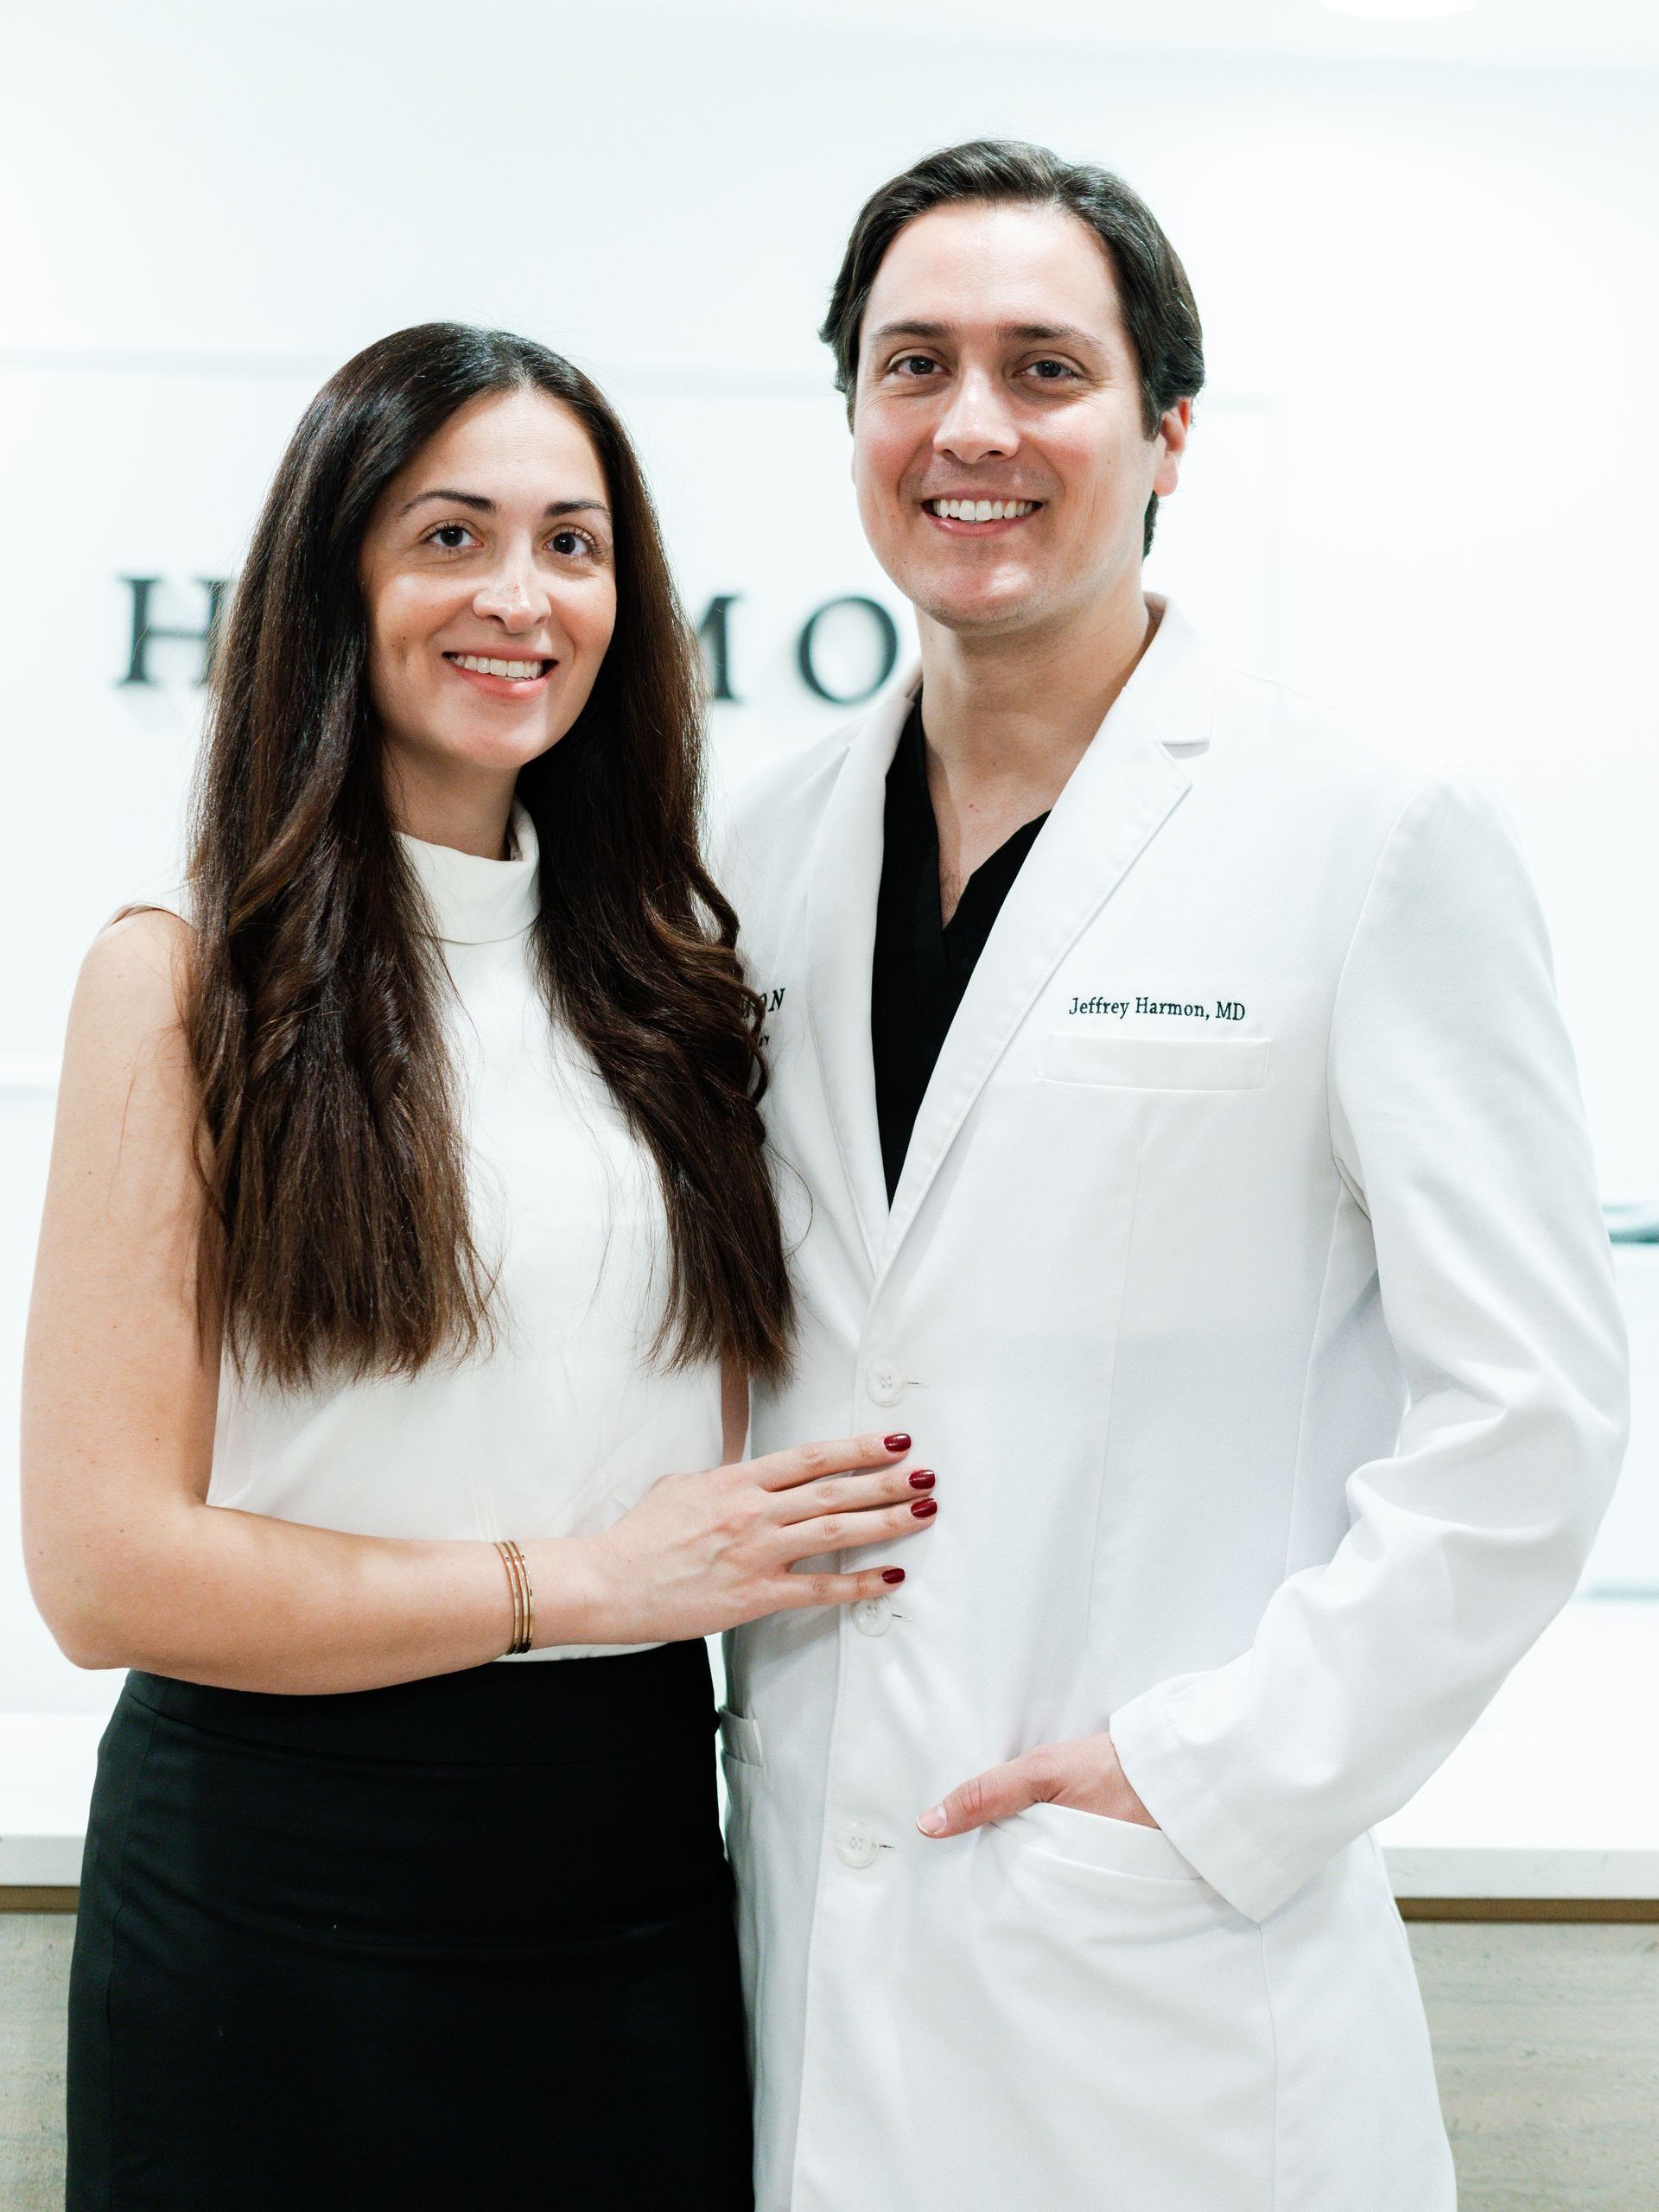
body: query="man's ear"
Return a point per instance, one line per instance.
(1170, 437)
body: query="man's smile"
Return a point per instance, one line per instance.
(979, 517)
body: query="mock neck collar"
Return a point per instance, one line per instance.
(475, 901)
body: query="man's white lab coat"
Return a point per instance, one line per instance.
(1246, 1288)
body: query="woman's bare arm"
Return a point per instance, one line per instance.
(128, 1564)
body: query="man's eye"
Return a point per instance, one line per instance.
(1051, 372)
(451, 536)
(914, 364)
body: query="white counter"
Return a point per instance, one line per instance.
(1555, 1795)
(47, 1761)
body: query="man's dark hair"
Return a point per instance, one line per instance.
(1159, 310)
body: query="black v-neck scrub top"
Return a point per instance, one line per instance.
(922, 963)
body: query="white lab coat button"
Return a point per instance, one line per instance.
(873, 1616)
(885, 1382)
(855, 1844)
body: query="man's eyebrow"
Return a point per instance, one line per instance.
(912, 330)
(1040, 333)
(483, 506)
(1049, 333)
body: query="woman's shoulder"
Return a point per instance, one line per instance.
(128, 1104)
(133, 979)
(137, 933)
(175, 904)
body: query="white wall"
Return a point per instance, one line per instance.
(1421, 484)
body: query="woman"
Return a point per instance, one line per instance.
(405, 1205)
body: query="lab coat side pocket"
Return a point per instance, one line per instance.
(739, 1737)
(1139, 1997)
(741, 1776)
(1126, 1848)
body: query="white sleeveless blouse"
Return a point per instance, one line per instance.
(565, 1423)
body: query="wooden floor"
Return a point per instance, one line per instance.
(1547, 2038)
(1547, 2044)
(33, 1975)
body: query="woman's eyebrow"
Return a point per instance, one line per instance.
(483, 506)
(457, 498)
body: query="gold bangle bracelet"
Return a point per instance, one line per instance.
(513, 1559)
(525, 1615)
(513, 1593)
(529, 1599)
(523, 1603)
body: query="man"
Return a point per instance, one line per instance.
(1183, 1143)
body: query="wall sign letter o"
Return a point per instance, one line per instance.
(887, 653)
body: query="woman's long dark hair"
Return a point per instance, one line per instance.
(338, 1233)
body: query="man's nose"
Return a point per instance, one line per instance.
(978, 425)
(512, 595)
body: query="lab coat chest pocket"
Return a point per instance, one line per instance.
(1212, 1114)
(1173, 1063)
(1066, 1135)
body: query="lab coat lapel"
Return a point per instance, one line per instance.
(1120, 795)
(844, 881)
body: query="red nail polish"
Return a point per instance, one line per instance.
(924, 1506)
(922, 1480)
(897, 1441)
(892, 1574)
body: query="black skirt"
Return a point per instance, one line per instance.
(462, 1944)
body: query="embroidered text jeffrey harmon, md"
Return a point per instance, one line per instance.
(1226, 1009)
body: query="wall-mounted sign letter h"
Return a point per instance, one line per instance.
(146, 630)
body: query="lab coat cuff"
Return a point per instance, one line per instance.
(1171, 1781)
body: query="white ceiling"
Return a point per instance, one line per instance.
(1554, 34)
(1592, 34)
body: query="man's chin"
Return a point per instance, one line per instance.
(980, 614)
(975, 586)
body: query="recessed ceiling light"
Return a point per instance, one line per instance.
(1397, 10)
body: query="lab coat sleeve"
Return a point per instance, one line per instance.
(1456, 1125)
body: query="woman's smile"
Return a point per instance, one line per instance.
(502, 677)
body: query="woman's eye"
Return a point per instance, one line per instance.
(451, 536)
(571, 543)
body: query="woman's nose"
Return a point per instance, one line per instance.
(512, 595)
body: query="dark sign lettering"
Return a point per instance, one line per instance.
(714, 635)
(886, 634)
(146, 630)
